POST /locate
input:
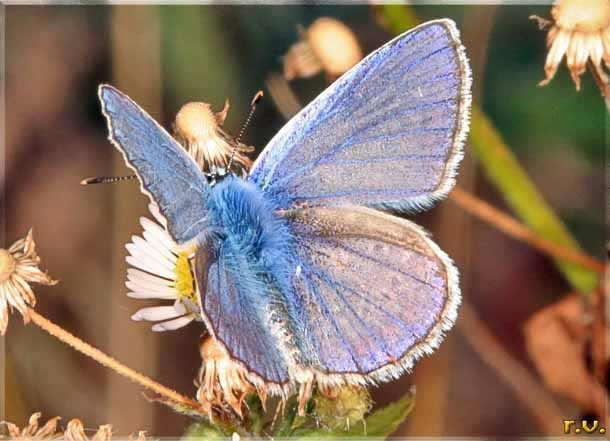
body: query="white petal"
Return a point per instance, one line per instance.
(3, 297)
(139, 294)
(172, 325)
(148, 264)
(16, 246)
(147, 286)
(154, 210)
(136, 275)
(140, 250)
(157, 313)
(157, 243)
(142, 285)
(160, 233)
(161, 293)
(14, 298)
(596, 49)
(149, 250)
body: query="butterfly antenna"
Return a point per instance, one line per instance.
(106, 179)
(253, 104)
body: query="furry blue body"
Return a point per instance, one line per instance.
(245, 223)
(240, 214)
(254, 258)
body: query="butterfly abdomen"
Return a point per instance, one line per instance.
(249, 226)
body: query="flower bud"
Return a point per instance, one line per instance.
(327, 45)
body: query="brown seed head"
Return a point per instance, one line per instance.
(582, 15)
(327, 45)
(211, 350)
(334, 44)
(196, 122)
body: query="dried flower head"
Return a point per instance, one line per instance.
(162, 270)
(18, 266)
(33, 430)
(581, 32)
(74, 431)
(327, 45)
(221, 380)
(200, 132)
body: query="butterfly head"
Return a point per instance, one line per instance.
(199, 130)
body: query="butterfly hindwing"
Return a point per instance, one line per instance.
(376, 292)
(236, 306)
(166, 172)
(387, 133)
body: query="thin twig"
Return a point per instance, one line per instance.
(517, 230)
(110, 362)
(539, 401)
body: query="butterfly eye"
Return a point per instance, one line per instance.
(327, 45)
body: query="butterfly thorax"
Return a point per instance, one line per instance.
(246, 221)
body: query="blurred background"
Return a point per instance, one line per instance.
(165, 56)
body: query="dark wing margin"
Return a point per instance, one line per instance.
(167, 174)
(388, 133)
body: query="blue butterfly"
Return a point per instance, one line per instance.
(304, 276)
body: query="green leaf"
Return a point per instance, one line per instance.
(255, 414)
(203, 431)
(504, 171)
(386, 420)
(286, 423)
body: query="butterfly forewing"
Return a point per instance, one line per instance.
(387, 133)
(167, 174)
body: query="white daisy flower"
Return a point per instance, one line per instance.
(18, 267)
(161, 269)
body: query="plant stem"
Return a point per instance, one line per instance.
(110, 362)
(518, 231)
(509, 177)
(506, 174)
(536, 397)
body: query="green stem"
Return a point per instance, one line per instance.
(504, 171)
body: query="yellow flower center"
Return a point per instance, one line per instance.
(7, 265)
(184, 279)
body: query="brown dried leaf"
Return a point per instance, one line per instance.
(556, 340)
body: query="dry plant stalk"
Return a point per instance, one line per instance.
(516, 230)
(113, 364)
